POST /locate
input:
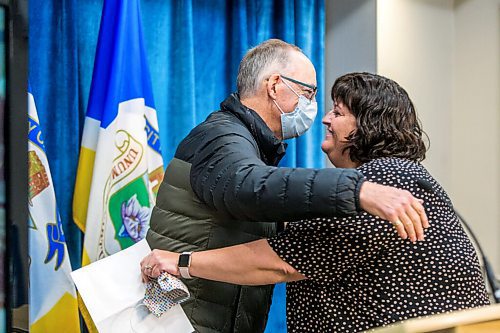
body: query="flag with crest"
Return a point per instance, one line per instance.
(53, 302)
(120, 166)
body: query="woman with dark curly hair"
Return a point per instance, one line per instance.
(352, 274)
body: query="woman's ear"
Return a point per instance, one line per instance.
(271, 87)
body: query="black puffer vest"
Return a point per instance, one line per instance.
(223, 188)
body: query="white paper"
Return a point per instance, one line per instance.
(112, 290)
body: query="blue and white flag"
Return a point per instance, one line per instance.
(120, 166)
(53, 302)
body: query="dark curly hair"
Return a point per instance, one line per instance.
(387, 124)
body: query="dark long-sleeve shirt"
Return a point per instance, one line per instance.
(362, 275)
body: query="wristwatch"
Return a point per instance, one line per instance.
(184, 263)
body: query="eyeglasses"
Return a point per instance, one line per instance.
(309, 94)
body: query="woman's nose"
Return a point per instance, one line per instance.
(326, 119)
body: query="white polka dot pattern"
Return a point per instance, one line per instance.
(164, 293)
(361, 275)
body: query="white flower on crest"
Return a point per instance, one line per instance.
(135, 219)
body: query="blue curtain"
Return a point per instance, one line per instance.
(193, 47)
(53, 72)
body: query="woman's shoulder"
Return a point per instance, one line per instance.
(384, 164)
(407, 175)
(394, 171)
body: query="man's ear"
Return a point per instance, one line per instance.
(272, 82)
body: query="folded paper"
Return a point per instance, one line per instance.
(113, 293)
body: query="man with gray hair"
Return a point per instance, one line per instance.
(223, 186)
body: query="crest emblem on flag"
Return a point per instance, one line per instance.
(129, 204)
(38, 179)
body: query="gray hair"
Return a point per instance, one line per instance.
(271, 56)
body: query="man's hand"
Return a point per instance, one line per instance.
(400, 207)
(157, 262)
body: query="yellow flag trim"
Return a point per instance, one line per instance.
(86, 316)
(82, 187)
(59, 318)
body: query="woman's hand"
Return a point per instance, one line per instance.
(157, 262)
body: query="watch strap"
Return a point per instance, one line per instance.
(184, 269)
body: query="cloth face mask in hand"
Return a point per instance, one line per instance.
(163, 293)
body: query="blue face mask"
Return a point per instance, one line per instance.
(296, 123)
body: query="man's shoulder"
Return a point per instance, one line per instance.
(219, 124)
(218, 129)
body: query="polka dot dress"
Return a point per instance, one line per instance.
(361, 275)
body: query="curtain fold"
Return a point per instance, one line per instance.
(193, 47)
(53, 73)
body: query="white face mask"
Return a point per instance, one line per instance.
(296, 123)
